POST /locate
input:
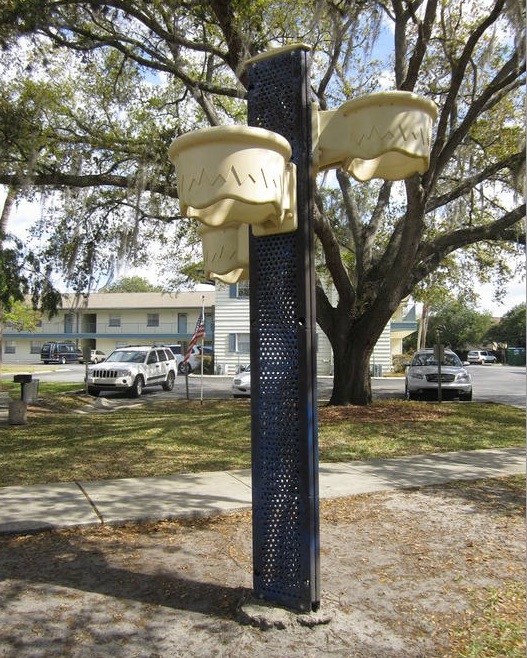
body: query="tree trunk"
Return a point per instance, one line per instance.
(4, 217)
(352, 342)
(351, 381)
(423, 327)
(6, 210)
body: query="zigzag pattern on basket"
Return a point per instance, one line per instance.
(392, 137)
(216, 180)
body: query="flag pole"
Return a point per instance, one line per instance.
(202, 343)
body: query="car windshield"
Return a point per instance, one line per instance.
(125, 356)
(428, 359)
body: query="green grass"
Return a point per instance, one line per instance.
(63, 441)
(17, 368)
(498, 629)
(396, 428)
(45, 389)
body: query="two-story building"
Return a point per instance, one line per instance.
(105, 321)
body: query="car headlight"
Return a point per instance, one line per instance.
(123, 373)
(416, 375)
(463, 377)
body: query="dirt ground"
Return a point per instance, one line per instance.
(400, 572)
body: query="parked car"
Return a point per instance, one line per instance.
(197, 353)
(241, 384)
(131, 369)
(481, 357)
(422, 376)
(97, 356)
(176, 351)
(60, 352)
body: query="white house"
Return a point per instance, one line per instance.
(231, 333)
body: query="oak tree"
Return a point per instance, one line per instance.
(134, 74)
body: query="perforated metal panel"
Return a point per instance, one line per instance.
(283, 381)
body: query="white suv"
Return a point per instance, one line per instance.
(481, 356)
(132, 369)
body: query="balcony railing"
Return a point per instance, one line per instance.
(105, 328)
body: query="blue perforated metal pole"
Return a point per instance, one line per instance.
(283, 364)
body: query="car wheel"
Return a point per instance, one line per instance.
(169, 384)
(63, 360)
(409, 395)
(93, 391)
(137, 387)
(466, 397)
(184, 368)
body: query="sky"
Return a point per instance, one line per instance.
(515, 295)
(26, 213)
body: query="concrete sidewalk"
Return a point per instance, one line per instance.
(81, 504)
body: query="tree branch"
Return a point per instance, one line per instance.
(506, 76)
(62, 180)
(513, 162)
(424, 33)
(432, 253)
(456, 80)
(332, 254)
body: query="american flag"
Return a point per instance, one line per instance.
(199, 333)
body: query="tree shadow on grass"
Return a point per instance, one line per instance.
(53, 559)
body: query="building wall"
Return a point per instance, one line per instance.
(232, 319)
(231, 328)
(231, 332)
(227, 327)
(109, 320)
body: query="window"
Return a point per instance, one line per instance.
(165, 355)
(239, 290)
(152, 357)
(182, 323)
(35, 347)
(209, 328)
(114, 321)
(68, 323)
(239, 343)
(152, 320)
(10, 347)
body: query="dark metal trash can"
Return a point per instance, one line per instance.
(28, 387)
